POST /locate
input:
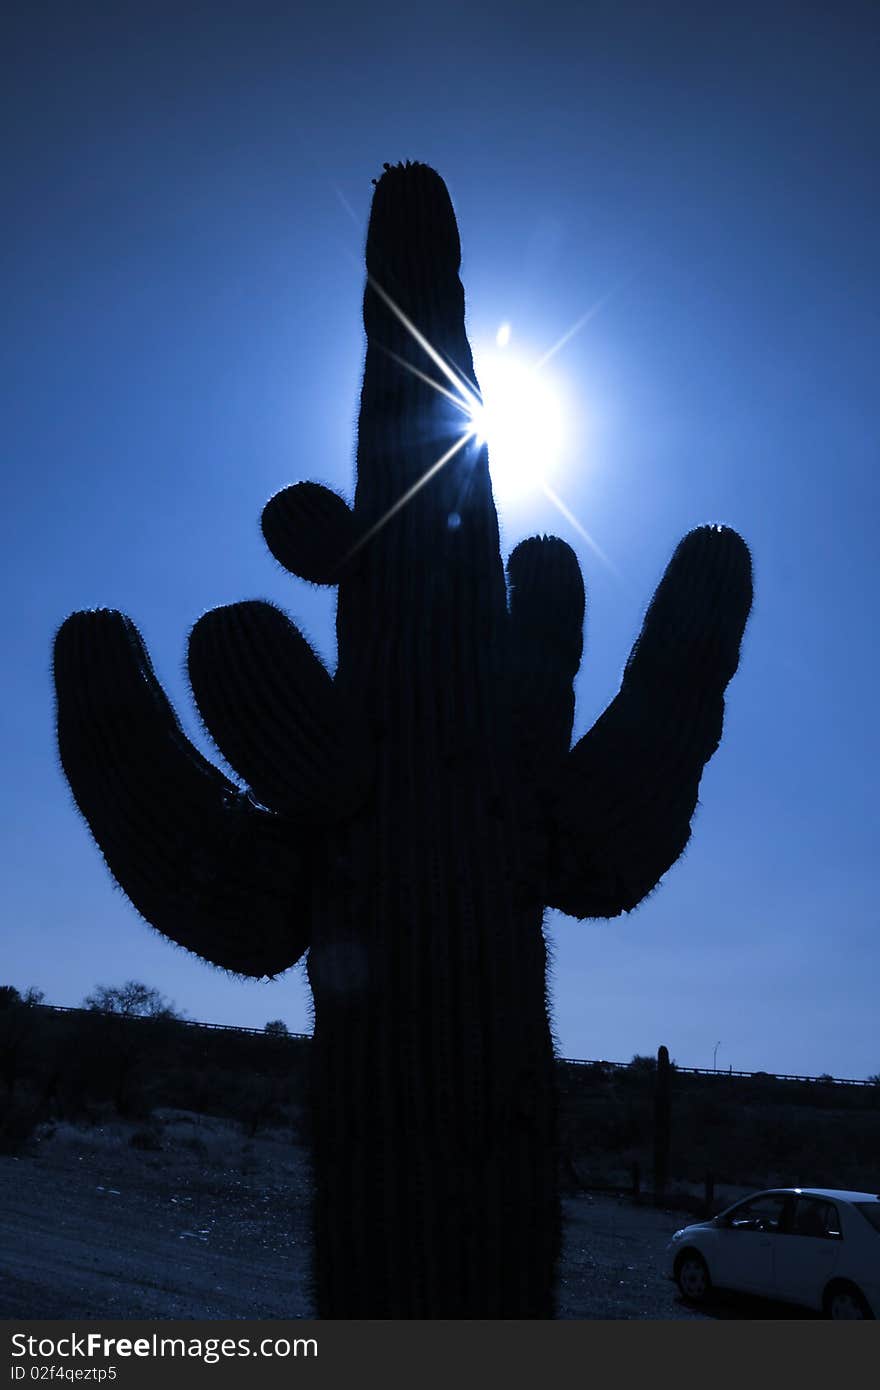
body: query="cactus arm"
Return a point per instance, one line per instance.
(310, 531)
(629, 788)
(198, 859)
(274, 712)
(546, 641)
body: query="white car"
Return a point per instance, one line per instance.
(815, 1246)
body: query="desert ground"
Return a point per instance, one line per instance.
(188, 1218)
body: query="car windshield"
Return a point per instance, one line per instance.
(870, 1211)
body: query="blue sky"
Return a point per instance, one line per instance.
(187, 192)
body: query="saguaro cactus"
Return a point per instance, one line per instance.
(662, 1122)
(408, 820)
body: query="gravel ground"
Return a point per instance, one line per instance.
(211, 1227)
(214, 1226)
(613, 1265)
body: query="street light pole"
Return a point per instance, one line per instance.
(715, 1056)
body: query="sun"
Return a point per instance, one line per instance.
(518, 414)
(520, 419)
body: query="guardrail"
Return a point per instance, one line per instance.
(568, 1061)
(726, 1071)
(187, 1022)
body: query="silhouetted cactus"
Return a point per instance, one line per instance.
(409, 819)
(662, 1119)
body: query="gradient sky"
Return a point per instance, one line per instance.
(187, 189)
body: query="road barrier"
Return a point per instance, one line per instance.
(567, 1061)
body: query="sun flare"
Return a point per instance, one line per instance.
(518, 414)
(521, 421)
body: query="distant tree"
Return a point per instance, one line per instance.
(277, 1028)
(875, 1079)
(132, 998)
(16, 1030)
(10, 996)
(126, 1050)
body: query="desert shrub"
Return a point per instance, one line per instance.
(18, 1122)
(641, 1063)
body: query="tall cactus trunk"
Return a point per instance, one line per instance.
(433, 1104)
(433, 1064)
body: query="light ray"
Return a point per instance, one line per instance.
(579, 324)
(307, 150)
(463, 405)
(409, 494)
(466, 400)
(470, 397)
(466, 386)
(581, 530)
(344, 203)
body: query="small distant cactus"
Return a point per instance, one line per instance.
(662, 1123)
(408, 820)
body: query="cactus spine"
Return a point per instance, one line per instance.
(409, 819)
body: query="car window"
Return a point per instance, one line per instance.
(813, 1217)
(760, 1214)
(870, 1211)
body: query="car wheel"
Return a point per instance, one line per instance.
(692, 1276)
(846, 1301)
